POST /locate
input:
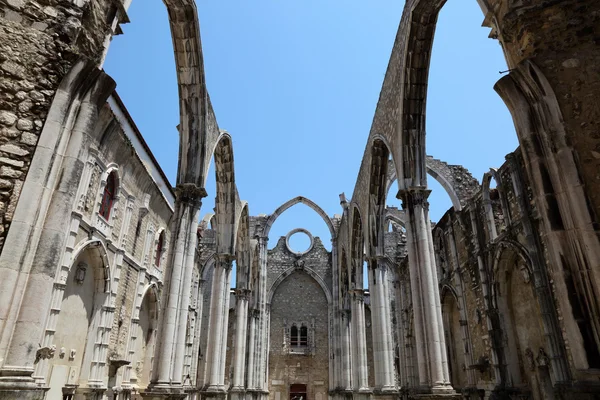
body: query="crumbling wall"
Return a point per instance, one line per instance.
(39, 43)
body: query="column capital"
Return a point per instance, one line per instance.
(190, 193)
(242, 294)
(224, 260)
(358, 295)
(262, 240)
(414, 196)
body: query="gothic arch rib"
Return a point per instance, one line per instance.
(287, 273)
(296, 200)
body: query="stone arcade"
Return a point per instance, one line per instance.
(111, 287)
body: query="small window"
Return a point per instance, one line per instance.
(159, 248)
(303, 336)
(294, 336)
(108, 197)
(298, 337)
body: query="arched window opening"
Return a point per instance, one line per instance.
(303, 340)
(296, 216)
(108, 197)
(159, 249)
(294, 336)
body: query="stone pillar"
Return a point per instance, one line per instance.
(382, 332)
(252, 348)
(262, 349)
(429, 332)
(346, 371)
(217, 335)
(167, 379)
(29, 269)
(241, 329)
(359, 367)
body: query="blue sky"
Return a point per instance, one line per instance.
(296, 84)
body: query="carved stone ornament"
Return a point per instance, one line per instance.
(530, 359)
(299, 264)
(190, 193)
(542, 359)
(413, 197)
(80, 273)
(44, 353)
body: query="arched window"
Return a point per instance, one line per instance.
(159, 249)
(303, 336)
(294, 336)
(108, 196)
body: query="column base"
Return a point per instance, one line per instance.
(214, 393)
(445, 392)
(164, 391)
(237, 393)
(18, 383)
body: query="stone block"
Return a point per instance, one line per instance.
(12, 149)
(29, 139)
(7, 118)
(24, 124)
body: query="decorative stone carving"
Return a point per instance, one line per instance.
(44, 353)
(90, 197)
(530, 359)
(190, 193)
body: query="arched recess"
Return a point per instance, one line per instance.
(357, 250)
(292, 202)
(80, 319)
(455, 346)
(520, 318)
(242, 249)
(143, 339)
(489, 197)
(309, 271)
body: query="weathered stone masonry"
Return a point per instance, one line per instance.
(111, 287)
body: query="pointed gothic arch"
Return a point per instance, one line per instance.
(292, 202)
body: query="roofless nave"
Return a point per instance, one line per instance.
(112, 289)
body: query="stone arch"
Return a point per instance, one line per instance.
(81, 302)
(309, 271)
(242, 248)
(458, 182)
(488, 205)
(357, 249)
(226, 197)
(453, 316)
(375, 220)
(142, 337)
(100, 250)
(512, 279)
(344, 286)
(292, 202)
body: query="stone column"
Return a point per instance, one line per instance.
(167, 379)
(241, 329)
(359, 367)
(346, 370)
(252, 348)
(37, 239)
(429, 332)
(218, 326)
(262, 348)
(382, 332)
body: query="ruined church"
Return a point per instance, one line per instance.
(113, 287)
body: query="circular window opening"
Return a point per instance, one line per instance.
(299, 241)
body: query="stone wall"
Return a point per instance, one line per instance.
(39, 43)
